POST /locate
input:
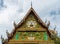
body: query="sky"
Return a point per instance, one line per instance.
(14, 10)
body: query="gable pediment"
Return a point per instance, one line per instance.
(32, 16)
(31, 24)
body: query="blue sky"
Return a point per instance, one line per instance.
(15, 10)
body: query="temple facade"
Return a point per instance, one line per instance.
(31, 30)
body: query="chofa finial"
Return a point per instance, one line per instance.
(14, 24)
(31, 3)
(7, 33)
(2, 39)
(55, 27)
(48, 24)
(46, 21)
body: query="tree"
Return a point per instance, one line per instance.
(56, 39)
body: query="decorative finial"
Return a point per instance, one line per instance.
(14, 24)
(7, 33)
(46, 21)
(48, 24)
(55, 27)
(31, 3)
(2, 39)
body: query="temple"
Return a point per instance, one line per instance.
(31, 30)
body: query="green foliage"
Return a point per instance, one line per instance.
(56, 39)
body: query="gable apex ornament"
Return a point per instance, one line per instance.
(31, 4)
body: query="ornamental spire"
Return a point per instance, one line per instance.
(55, 27)
(31, 3)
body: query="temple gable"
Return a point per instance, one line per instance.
(31, 30)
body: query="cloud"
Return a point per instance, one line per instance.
(9, 14)
(1, 3)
